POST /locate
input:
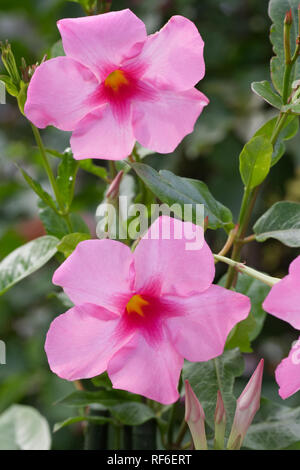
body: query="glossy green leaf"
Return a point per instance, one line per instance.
(171, 189)
(247, 330)
(78, 419)
(24, 428)
(206, 378)
(37, 188)
(86, 165)
(289, 130)
(66, 175)
(132, 413)
(265, 91)
(277, 12)
(255, 161)
(57, 226)
(282, 222)
(25, 260)
(69, 242)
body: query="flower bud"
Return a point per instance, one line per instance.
(246, 408)
(9, 63)
(195, 418)
(220, 423)
(288, 17)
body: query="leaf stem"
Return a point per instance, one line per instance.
(240, 267)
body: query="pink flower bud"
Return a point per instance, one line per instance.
(246, 408)
(114, 187)
(288, 17)
(195, 418)
(220, 423)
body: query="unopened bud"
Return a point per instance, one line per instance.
(246, 408)
(114, 188)
(288, 17)
(195, 418)
(9, 63)
(220, 423)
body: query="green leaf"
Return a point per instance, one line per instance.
(25, 260)
(247, 330)
(106, 398)
(86, 165)
(239, 337)
(289, 130)
(57, 49)
(282, 222)
(255, 161)
(132, 413)
(66, 175)
(277, 11)
(275, 427)
(102, 381)
(171, 189)
(265, 91)
(37, 188)
(69, 242)
(57, 226)
(10, 87)
(24, 428)
(206, 378)
(78, 419)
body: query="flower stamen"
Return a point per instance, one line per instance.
(136, 304)
(116, 80)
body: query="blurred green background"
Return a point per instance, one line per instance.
(237, 52)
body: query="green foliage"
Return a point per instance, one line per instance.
(125, 407)
(69, 242)
(247, 330)
(24, 428)
(66, 175)
(206, 378)
(57, 226)
(289, 130)
(172, 189)
(25, 260)
(37, 188)
(282, 222)
(265, 91)
(275, 427)
(277, 12)
(255, 161)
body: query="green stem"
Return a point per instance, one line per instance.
(269, 280)
(51, 177)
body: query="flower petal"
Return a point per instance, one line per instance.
(80, 342)
(200, 330)
(103, 40)
(61, 92)
(174, 55)
(102, 135)
(288, 373)
(148, 369)
(164, 263)
(98, 272)
(161, 123)
(283, 300)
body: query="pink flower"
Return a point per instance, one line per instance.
(283, 302)
(137, 315)
(116, 85)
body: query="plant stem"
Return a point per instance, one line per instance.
(269, 280)
(51, 177)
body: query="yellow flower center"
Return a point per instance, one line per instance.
(136, 304)
(115, 80)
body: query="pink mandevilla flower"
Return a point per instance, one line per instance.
(283, 302)
(138, 315)
(116, 85)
